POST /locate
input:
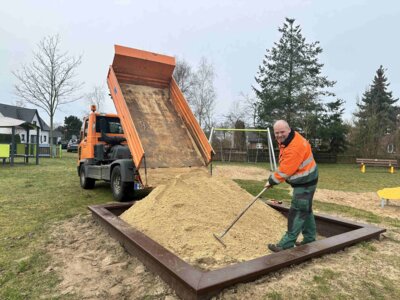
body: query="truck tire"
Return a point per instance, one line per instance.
(122, 191)
(86, 183)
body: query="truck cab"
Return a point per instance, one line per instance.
(103, 154)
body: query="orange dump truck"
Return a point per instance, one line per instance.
(154, 126)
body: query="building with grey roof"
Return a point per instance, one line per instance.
(26, 131)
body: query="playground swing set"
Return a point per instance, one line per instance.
(220, 136)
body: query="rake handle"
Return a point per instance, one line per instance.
(242, 213)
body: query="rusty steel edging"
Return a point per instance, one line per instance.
(177, 273)
(191, 283)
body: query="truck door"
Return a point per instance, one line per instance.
(84, 151)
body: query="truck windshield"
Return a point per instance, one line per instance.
(108, 125)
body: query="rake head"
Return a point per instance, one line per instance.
(219, 239)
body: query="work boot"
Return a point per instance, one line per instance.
(274, 248)
(298, 244)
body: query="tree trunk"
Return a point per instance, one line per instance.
(51, 137)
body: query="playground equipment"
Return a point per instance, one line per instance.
(246, 145)
(387, 194)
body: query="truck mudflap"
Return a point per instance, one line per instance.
(159, 125)
(128, 170)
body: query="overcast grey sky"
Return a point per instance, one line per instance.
(357, 37)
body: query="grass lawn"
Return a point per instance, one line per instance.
(347, 177)
(34, 198)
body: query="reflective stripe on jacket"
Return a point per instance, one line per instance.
(296, 162)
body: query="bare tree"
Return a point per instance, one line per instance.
(20, 103)
(202, 94)
(252, 105)
(183, 76)
(236, 112)
(49, 80)
(96, 96)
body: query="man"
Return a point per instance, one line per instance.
(298, 168)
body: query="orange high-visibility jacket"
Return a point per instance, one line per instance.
(296, 162)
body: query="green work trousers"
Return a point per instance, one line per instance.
(300, 218)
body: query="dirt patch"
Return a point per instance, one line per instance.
(365, 201)
(95, 266)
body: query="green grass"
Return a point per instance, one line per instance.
(347, 177)
(273, 296)
(367, 216)
(254, 187)
(33, 198)
(322, 281)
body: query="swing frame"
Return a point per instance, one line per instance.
(271, 153)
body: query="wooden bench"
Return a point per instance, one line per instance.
(374, 162)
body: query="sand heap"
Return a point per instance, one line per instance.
(183, 215)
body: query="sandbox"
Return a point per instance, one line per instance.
(191, 283)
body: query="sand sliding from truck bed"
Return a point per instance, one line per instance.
(183, 214)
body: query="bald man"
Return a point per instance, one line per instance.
(298, 168)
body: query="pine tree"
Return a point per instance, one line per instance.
(290, 81)
(239, 137)
(376, 115)
(332, 130)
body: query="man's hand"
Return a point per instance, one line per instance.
(268, 185)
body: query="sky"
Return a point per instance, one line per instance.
(356, 36)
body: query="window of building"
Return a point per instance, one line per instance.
(44, 138)
(22, 137)
(390, 148)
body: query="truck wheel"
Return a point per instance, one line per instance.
(122, 191)
(86, 183)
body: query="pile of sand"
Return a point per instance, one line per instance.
(245, 172)
(183, 214)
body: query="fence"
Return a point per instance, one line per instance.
(29, 150)
(236, 155)
(261, 155)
